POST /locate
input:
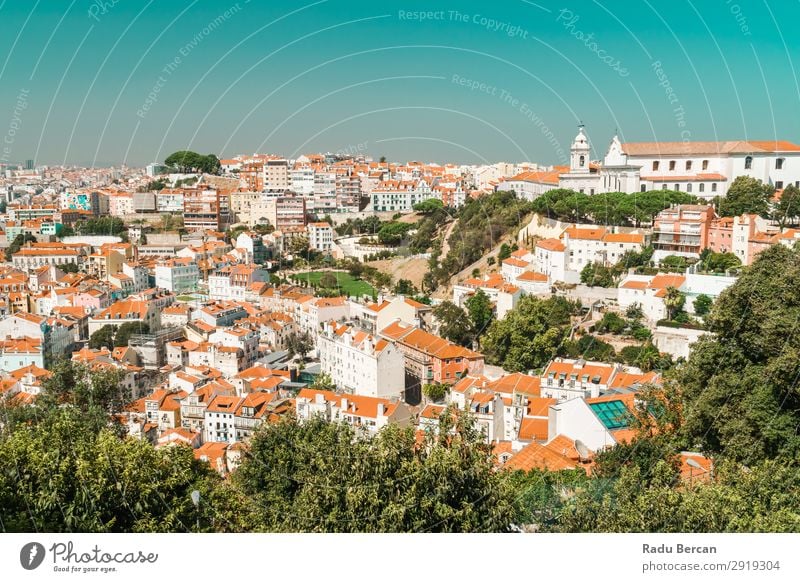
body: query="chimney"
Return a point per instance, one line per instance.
(381, 410)
(343, 405)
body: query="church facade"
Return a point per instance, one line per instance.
(705, 169)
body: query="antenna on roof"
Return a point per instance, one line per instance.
(583, 450)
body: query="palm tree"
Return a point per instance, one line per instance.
(673, 301)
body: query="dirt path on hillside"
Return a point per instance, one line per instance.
(403, 268)
(446, 237)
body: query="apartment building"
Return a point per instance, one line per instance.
(126, 311)
(363, 413)
(320, 236)
(359, 363)
(203, 210)
(682, 230)
(430, 358)
(179, 275)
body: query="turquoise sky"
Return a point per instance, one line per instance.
(133, 80)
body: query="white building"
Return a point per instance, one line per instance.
(311, 314)
(649, 291)
(360, 363)
(704, 169)
(364, 413)
(241, 338)
(180, 275)
(565, 378)
(320, 236)
(397, 196)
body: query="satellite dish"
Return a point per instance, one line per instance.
(692, 463)
(583, 450)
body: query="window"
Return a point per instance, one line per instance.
(664, 186)
(688, 165)
(672, 165)
(714, 187)
(748, 162)
(779, 164)
(677, 187)
(582, 161)
(702, 187)
(655, 166)
(779, 184)
(591, 191)
(688, 187)
(643, 188)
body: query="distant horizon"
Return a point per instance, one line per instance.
(376, 157)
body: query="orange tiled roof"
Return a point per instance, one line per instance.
(536, 456)
(551, 244)
(531, 429)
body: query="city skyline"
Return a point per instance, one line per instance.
(126, 82)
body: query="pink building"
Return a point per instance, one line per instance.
(93, 299)
(746, 236)
(682, 230)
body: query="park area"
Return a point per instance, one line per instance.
(340, 280)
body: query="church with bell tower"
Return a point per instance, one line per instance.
(582, 177)
(615, 174)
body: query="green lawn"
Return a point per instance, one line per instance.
(348, 285)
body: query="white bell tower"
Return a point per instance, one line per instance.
(579, 153)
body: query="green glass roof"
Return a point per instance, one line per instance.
(613, 414)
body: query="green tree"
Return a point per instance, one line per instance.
(634, 312)
(299, 344)
(19, 241)
(405, 287)
(597, 275)
(702, 304)
(86, 389)
(480, 225)
(480, 310)
(329, 280)
(673, 301)
(741, 398)
(298, 246)
(788, 208)
(323, 382)
(529, 335)
(435, 391)
(504, 252)
(611, 323)
(718, 262)
(186, 162)
(317, 476)
(66, 475)
(746, 195)
(673, 264)
(103, 338)
(392, 233)
(588, 347)
(454, 324)
(759, 499)
(126, 330)
(428, 206)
